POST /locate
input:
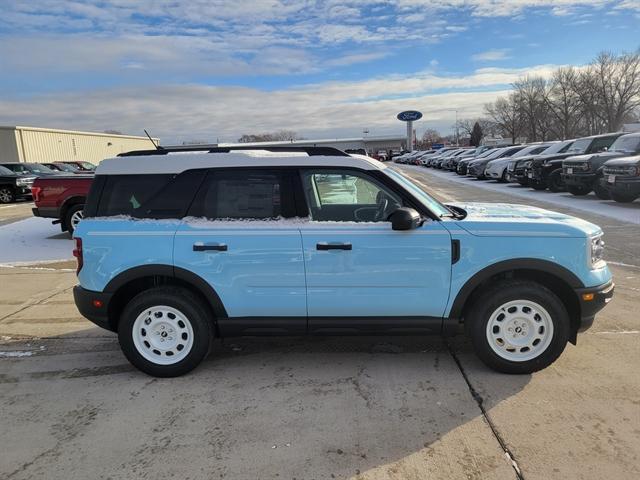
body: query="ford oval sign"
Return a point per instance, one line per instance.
(409, 116)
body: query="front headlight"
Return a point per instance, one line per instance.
(23, 182)
(597, 251)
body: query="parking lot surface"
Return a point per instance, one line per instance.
(72, 407)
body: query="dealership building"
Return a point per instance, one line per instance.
(31, 144)
(370, 144)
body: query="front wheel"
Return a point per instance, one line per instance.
(165, 331)
(555, 182)
(578, 190)
(518, 326)
(601, 192)
(7, 195)
(623, 197)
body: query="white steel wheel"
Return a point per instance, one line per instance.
(519, 330)
(162, 335)
(76, 217)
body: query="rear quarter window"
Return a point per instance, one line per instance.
(147, 196)
(124, 194)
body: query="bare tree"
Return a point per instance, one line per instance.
(616, 80)
(563, 102)
(506, 114)
(534, 110)
(279, 136)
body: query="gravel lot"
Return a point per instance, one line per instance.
(71, 407)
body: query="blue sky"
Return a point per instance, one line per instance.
(207, 70)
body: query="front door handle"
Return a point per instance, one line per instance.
(201, 247)
(333, 246)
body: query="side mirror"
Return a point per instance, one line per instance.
(405, 219)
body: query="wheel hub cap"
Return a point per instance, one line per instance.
(519, 330)
(163, 335)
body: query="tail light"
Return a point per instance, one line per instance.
(77, 252)
(35, 192)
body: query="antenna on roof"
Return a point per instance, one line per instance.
(158, 147)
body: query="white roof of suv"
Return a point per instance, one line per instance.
(177, 162)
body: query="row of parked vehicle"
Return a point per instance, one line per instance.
(608, 165)
(16, 179)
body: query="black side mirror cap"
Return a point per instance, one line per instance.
(405, 218)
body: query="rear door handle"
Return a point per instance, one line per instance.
(201, 247)
(333, 246)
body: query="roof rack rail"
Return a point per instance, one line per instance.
(311, 151)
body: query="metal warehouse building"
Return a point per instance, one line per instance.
(31, 144)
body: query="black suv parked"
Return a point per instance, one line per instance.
(516, 169)
(546, 171)
(13, 186)
(32, 169)
(621, 178)
(583, 173)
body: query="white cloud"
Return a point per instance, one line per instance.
(491, 55)
(178, 112)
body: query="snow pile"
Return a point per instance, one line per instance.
(34, 240)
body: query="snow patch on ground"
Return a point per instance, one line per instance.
(591, 204)
(34, 240)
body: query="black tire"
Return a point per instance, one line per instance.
(578, 190)
(623, 197)
(555, 182)
(503, 177)
(601, 192)
(489, 300)
(538, 186)
(7, 195)
(194, 311)
(68, 222)
(524, 183)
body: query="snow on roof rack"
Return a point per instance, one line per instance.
(311, 151)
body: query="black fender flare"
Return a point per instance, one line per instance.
(195, 281)
(530, 264)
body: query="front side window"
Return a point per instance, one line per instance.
(600, 144)
(347, 196)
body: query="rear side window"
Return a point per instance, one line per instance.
(123, 194)
(244, 194)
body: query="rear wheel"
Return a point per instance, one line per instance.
(165, 331)
(623, 197)
(578, 190)
(72, 218)
(7, 194)
(518, 326)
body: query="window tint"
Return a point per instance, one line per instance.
(243, 194)
(122, 194)
(599, 144)
(346, 196)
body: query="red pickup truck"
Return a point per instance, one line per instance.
(62, 198)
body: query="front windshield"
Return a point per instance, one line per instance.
(88, 166)
(556, 148)
(427, 200)
(66, 167)
(530, 150)
(495, 153)
(37, 168)
(627, 144)
(5, 171)
(580, 145)
(486, 153)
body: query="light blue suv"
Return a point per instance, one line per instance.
(179, 246)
